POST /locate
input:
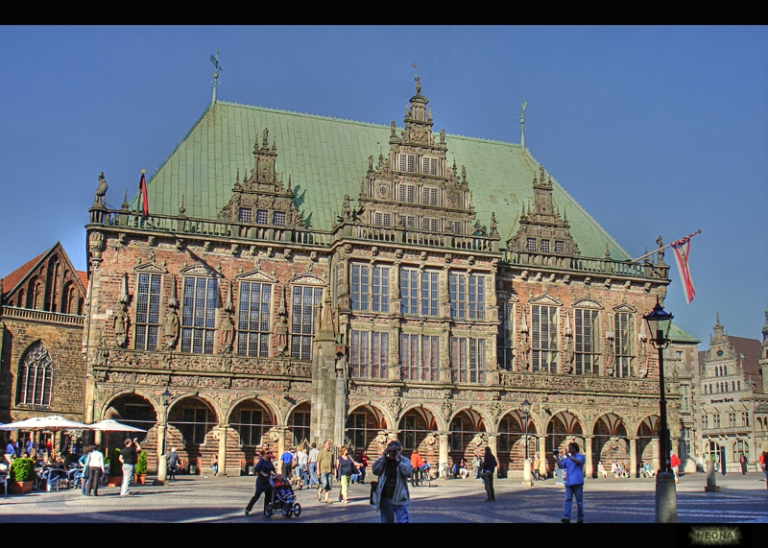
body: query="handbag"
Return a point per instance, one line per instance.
(374, 497)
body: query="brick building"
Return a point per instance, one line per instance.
(733, 400)
(41, 339)
(302, 278)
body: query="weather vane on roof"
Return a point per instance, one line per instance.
(521, 112)
(215, 61)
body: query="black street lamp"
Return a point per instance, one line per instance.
(166, 403)
(659, 322)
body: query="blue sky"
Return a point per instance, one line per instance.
(654, 130)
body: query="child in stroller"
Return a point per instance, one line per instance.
(281, 497)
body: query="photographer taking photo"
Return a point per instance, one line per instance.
(573, 463)
(392, 495)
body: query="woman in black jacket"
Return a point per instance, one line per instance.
(489, 466)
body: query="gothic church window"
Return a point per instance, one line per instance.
(369, 354)
(544, 335)
(303, 306)
(254, 319)
(35, 376)
(587, 351)
(624, 336)
(147, 311)
(198, 318)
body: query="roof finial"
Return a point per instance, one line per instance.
(418, 81)
(521, 112)
(215, 61)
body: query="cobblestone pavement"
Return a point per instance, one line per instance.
(200, 499)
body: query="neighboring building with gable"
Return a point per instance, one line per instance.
(41, 337)
(303, 278)
(733, 400)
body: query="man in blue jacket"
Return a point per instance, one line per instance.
(573, 463)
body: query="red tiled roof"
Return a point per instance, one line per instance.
(83, 278)
(750, 349)
(10, 281)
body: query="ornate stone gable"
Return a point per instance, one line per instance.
(262, 198)
(414, 188)
(543, 230)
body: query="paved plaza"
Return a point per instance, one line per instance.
(206, 499)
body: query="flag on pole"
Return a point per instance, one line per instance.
(143, 195)
(682, 251)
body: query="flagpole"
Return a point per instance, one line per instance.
(665, 247)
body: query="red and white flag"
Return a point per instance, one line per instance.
(682, 251)
(143, 195)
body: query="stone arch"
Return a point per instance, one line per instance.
(249, 419)
(563, 427)
(416, 431)
(268, 404)
(467, 434)
(366, 428)
(136, 409)
(510, 440)
(610, 442)
(647, 441)
(192, 418)
(299, 420)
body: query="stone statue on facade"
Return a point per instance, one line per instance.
(525, 350)
(226, 334)
(121, 326)
(171, 328)
(101, 191)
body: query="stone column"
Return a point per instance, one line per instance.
(492, 443)
(655, 455)
(162, 464)
(443, 453)
(223, 450)
(589, 467)
(543, 456)
(632, 457)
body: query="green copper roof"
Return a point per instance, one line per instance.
(328, 158)
(678, 335)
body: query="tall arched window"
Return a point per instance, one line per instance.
(35, 376)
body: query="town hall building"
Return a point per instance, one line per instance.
(300, 278)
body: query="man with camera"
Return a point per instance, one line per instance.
(392, 495)
(573, 463)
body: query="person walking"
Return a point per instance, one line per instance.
(95, 468)
(489, 465)
(287, 463)
(129, 458)
(573, 464)
(263, 470)
(674, 464)
(82, 462)
(743, 462)
(345, 467)
(301, 467)
(536, 472)
(763, 464)
(312, 465)
(392, 497)
(325, 469)
(173, 463)
(477, 464)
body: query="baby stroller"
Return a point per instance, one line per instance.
(281, 497)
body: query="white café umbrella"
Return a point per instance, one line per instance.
(52, 423)
(109, 425)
